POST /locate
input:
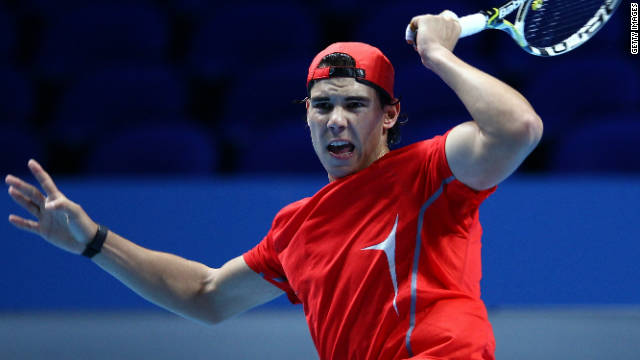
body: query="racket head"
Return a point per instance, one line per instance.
(553, 27)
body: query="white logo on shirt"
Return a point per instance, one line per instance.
(389, 248)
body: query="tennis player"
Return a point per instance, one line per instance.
(385, 259)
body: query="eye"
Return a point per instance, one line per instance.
(322, 106)
(355, 104)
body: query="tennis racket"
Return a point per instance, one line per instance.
(541, 27)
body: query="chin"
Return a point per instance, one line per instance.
(338, 172)
(340, 168)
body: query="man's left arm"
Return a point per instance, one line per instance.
(483, 152)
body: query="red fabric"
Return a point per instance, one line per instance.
(377, 67)
(314, 252)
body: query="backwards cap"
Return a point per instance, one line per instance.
(371, 65)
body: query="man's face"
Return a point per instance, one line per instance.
(348, 125)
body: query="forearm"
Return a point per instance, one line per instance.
(499, 110)
(172, 282)
(185, 287)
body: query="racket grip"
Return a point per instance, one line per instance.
(469, 25)
(472, 24)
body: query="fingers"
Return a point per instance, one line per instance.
(43, 177)
(449, 15)
(24, 201)
(434, 32)
(28, 190)
(62, 204)
(446, 14)
(24, 224)
(413, 25)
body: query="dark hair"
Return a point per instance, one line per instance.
(342, 59)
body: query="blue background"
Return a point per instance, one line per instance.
(547, 240)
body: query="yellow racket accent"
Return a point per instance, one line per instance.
(512, 29)
(536, 4)
(504, 25)
(496, 12)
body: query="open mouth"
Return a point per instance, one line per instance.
(340, 148)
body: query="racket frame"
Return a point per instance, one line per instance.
(495, 19)
(595, 23)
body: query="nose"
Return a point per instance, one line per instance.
(337, 120)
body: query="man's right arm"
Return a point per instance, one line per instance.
(185, 287)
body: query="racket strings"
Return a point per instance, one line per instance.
(556, 20)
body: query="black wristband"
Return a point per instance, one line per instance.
(95, 245)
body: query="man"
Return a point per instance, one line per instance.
(386, 258)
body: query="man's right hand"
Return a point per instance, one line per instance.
(60, 221)
(185, 287)
(435, 33)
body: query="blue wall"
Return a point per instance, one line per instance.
(548, 240)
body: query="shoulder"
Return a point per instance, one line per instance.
(288, 211)
(423, 155)
(428, 147)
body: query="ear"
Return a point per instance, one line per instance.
(391, 113)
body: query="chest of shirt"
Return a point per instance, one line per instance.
(336, 242)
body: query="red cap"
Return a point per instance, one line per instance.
(371, 65)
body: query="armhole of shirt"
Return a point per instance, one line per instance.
(263, 260)
(456, 187)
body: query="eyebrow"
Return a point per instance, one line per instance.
(319, 98)
(358, 98)
(315, 99)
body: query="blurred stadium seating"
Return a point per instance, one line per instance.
(16, 98)
(7, 36)
(117, 97)
(608, 143)
(279, 148)
(92, 36)
(575, 92)
(254, 101)
(155, 149)
(48, 8)
(423, 95)
(234, 39)
(73, 69)
(17, 146)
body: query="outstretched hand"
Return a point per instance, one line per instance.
(60, 221)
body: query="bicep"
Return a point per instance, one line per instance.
(481, 161)
(236, 288)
